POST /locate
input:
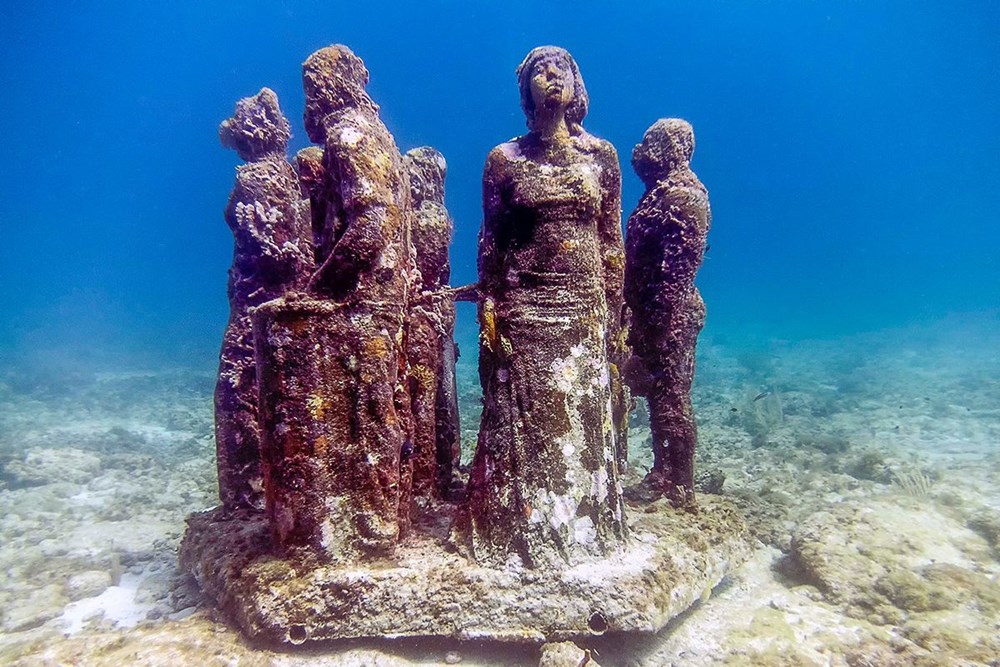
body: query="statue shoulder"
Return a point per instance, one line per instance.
(501, 159)
(505, 153)
(602, 149)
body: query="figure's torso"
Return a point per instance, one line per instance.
(551, 202)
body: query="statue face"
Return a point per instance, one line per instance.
(551, 83)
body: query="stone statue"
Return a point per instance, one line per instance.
(272, 254)
(665, 241)
(341, 269)
(335, 408)
(431, 344)
(544, 482)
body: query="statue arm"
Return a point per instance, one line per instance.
(365, 217)
(686, 247)
(490, 261)
(612, 243)
(494, 208)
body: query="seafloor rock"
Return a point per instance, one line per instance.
(986, 522)
(431, 328)
(901, 565)
(49, 465)
(665, 243)
(272, 254)
(427, 590)
(87, 584)
(565, 654)
(544, 485)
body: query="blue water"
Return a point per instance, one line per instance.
(852, 154)
(850, 148)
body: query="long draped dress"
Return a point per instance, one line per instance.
(544, 483)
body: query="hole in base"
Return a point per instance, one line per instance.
(598, 624)
(297, 634)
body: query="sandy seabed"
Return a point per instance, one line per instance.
(868, 468)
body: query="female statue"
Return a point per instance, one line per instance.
(544, 482)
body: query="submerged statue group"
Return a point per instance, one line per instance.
(336, 406)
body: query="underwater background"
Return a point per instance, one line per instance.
(850, 150)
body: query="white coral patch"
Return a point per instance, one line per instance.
(568, 448)
(584, 531)
(560, 510)
(279, 336)
(330, 538)
(599, 484)
(564, 374)
(350, 136)
(563, 510)
(603, 377)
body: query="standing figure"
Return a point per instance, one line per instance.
(544, 485)
(272, 254)
(431, 334)
(665, 241)
(335, 409)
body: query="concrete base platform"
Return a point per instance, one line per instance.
(427, 589)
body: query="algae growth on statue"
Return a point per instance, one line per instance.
(343, 501)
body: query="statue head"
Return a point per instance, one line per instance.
(257, 128)
(426, 168)
(666, 145)
(334, 79)
(559, 59)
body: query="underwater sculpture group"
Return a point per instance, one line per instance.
(343, 511)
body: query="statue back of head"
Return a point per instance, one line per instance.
(577, 109)
(666, 145)
(257, 128)
(426, 168)
(333, 78)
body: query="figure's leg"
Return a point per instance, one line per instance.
(447, 429)
(682, 429)
(659, 423)
(682, 441)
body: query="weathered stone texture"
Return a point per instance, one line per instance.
(272, 253)
(428, 590)
(330, 425)
(544, 486)
(665, 242)
(431, 327)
